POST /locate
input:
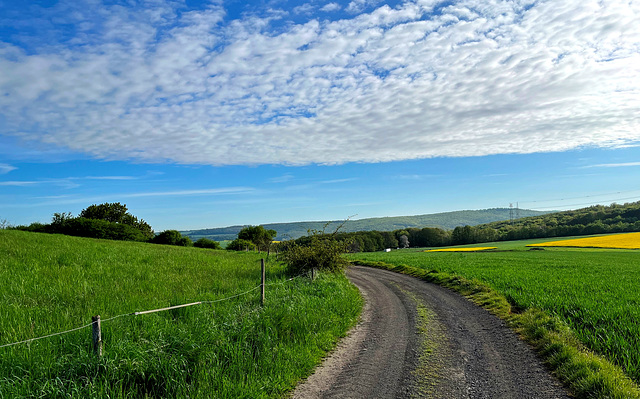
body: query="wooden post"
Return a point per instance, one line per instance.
(313, 273)
(97, 335)
(262, 285)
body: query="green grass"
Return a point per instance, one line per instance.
(592, 292)
(229, 349)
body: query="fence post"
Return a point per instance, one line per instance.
(97, 335)
(313, 273)
(262, 284)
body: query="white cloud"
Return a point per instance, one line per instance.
(111, 178)
(211, 191)
(357, 6)
(334, 181)
(329, 7)
(6, 168)
(282, 179)
(306, 8)
(476, 78)
(15, 183)
(614, 165)
(64, 183)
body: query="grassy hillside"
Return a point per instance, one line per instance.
(592, 291)
(232, 348)
(445, 220)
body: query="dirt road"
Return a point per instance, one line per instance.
(419, 340)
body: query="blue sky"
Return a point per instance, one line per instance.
(204, 114)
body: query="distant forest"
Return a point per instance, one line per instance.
(596, 219)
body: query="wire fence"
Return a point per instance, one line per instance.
(99, 321)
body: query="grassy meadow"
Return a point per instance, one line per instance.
(593, 291)
(229, 349)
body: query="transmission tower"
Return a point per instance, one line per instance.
(510, 213)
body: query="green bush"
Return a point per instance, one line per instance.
(172, 237)
(206, 243)
(117, 213)
(92, 228)
(322, 252)
(258, 235)
(241, 245)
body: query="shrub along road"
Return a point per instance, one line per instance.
(418, 339)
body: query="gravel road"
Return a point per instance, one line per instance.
(419, 340)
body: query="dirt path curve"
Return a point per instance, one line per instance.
(462, 352)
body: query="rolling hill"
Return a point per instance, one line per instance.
(444, 220)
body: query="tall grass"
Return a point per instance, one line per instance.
(229, 349)
(594, 291)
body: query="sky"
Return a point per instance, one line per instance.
(199, 114)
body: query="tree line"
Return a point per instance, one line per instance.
(598, 219)
(112, 221)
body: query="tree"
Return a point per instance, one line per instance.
(117, 213)
(60, 218)
(206, 243)
(4, 224)
(403, 241)
(324, 252)
(463, 235)
(258, 235)
(172, 237)
(111, 212)
(390, 241)
(241, 245)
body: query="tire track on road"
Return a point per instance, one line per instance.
(475, 356)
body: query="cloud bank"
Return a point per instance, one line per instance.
(422, 79)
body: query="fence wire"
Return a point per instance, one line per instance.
(150, 311)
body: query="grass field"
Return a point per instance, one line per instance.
(460, 249)
(229, 349)
(594, 291)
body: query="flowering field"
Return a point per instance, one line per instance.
(470, 249)
(623, 241)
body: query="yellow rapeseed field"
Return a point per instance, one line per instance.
(460, 249)
(624, 241)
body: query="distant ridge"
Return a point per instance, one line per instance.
(444, 220)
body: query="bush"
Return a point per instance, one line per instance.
(241, 245)
(92, 228)
(34, 227)
(323, 252)
(206, 243)
(258, 235)
(116, 213)
(172, 237)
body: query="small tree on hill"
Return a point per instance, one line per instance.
(172, 237)
(258, 235)
(117, 213)
(241, 245)
(206, 243)
(320, 251)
